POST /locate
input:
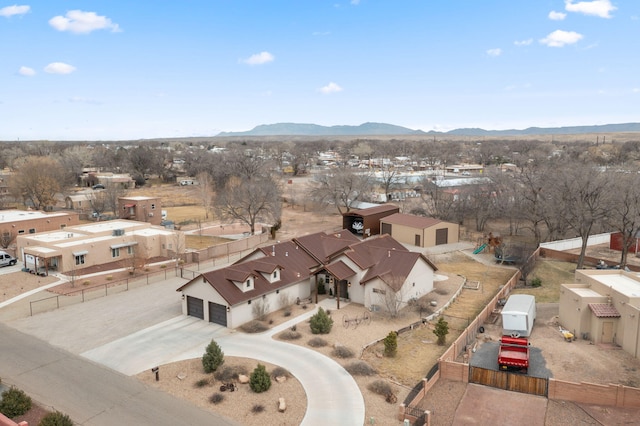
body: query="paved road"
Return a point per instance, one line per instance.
(90, 394)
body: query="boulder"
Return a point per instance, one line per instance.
(281, 379)
(243, 379)
(282, 406)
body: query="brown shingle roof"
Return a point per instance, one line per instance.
(323, 246)
(412, 221)
(340, 270)
(604, 310)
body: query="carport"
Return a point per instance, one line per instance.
(366, 222)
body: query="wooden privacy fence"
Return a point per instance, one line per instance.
(509, 381)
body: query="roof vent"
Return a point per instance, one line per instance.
(286, 253)
(389, 253)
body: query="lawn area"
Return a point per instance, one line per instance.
(187, 214)
(198, 242)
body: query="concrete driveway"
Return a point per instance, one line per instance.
(136, 330)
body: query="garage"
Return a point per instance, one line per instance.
(195, 307)
(217, 314)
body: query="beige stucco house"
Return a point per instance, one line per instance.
(77, 247)
(419, 230)
(371, 272)
(603, 305)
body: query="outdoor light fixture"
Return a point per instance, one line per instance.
(183, 297)
(228, 309)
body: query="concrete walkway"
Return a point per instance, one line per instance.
(133, 331)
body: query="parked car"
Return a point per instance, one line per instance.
(6, 259)
(98, 186)
(186, 182)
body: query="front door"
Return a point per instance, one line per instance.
(607, 332)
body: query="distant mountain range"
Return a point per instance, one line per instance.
(379, 129)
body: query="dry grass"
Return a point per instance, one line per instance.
(198, 242)
(552, 273)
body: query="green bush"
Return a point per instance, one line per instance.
(260, 380)
(56, 419)
(212, 358)
(321, 323)
(441, 330)
(391, 344)
(14, 403)
(536, 282)
(321, 288)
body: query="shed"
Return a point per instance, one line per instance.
(366, 222)
(616, 242)
(419, 230)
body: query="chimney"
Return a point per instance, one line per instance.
(273, 250)
(389, 253)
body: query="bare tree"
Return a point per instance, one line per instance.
(249, 200)
(393, 296)
(37, 180)
(205, 185)
(342, 187)
(6, 236)
(624, 211)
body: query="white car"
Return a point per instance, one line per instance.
(6, 259)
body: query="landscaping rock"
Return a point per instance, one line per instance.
(281, 379)
(282, 406)
(243, 379)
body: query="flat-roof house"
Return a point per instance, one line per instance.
(370, 272)
(82, 246)
(21, 222)
(142, 209)
(603, 305)
(419, 230)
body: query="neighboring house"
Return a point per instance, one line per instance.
(80, 200)
(617, 242)
(456, 189)
(20, 222)
(122, 180)
(368, 272)
(603, 306)
(419, 230)
(82, 246)
(366, 222)
(142, 209)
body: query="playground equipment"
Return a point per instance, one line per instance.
(494, 241)
(480, 249)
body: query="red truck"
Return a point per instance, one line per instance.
(514, 354)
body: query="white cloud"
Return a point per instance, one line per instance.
(560, 38)
(330, 88)
(26, 71)
(14, 10)
(80, 22)
(494, 52)
(526, 42)
(59, 68)
(600, 8)
(557, 16)
(259, 58)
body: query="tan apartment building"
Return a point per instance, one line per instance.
(142, 209)
(603, 305)
(99, 243)
(23, 222)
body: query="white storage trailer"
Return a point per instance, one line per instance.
(518, 315)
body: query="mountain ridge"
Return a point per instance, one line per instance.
(377, 129)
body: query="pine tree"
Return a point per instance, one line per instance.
(441, 330)
(321, 322)
(260, 380)
(212, 358)
(391, 344)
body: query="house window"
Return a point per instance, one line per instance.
(64, 225)
(326, 279)
(249, 302)
(32, 230)
(275, 275)
(379, 291)
(248, 283)
(153, 206)
(80, 259)
(115, 252)
(21, 231)
(129, 249)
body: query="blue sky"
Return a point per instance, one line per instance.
(113, 70)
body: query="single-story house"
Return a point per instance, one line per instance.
(366, 222)
(603, 305)
(373, 272)
(419, 230)
(81, 246)
(14, 223)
